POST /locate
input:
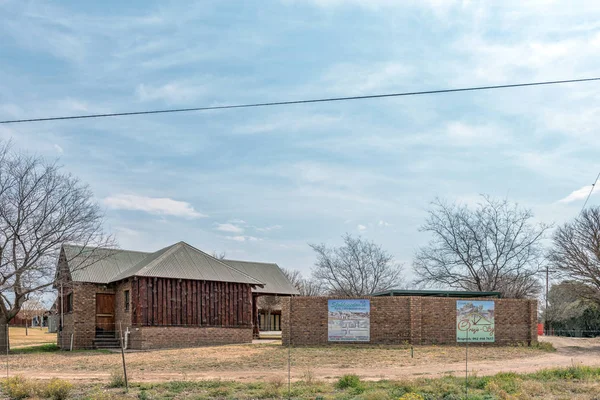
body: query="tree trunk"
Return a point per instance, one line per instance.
(4, 342)
(26, 331)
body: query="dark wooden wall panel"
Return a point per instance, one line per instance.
(175, 302)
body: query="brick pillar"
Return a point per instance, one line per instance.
(285, 320)
(415, 310)
(533, 321)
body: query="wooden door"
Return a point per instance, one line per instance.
(105, 312)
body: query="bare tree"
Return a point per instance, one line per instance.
(576, 252)
(305, 286)
(219, 256)
(31, 308)
(358, 268)
(564, 302)
(268, 304)
(493, 246)
(40, 208)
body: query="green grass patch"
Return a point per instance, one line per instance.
(43, 348)
(558, 383)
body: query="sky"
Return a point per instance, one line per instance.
(262, 183)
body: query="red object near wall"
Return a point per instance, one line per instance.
(540, 329)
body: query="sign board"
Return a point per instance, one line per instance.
(474, 321)
(349, 320)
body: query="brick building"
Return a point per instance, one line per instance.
(178, 296)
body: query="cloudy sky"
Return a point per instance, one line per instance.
(260, 184)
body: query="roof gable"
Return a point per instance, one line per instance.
(98, 265)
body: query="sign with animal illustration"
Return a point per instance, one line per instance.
(349, 320)
(474, 321)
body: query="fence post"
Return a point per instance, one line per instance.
(7, 343)
(123, 357)
(467, 366)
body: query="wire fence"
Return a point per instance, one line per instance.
(437, 353)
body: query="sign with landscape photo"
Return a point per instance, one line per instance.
(474, 321)
(349, 320)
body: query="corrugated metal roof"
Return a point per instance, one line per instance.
(436, 293)
(178, 261)
(182, 261)
(98, 265)
(268, 273)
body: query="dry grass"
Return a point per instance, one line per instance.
(581, 383)
(234, 360)
(36, 336)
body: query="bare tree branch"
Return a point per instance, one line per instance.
(358, 268)
(305, 286)
(40, 209)
(491, 247)
(576, 251)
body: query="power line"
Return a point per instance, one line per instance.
(591, 191)
(291, 102)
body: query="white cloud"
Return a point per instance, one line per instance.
(240, 238)
(269, 228)
(356, 79)
(171, 92)
(286, 123)
(59, 149)
(237, 221)
(229, 228)
(377, 4)
(383, 223)
(126, 231)
(152, 205)
(361, 228)
(463, 134)
(580, 194)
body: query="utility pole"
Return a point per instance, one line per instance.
(546, 298)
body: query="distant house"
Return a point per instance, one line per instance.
(178, 296)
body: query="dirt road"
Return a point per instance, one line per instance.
(234, 365)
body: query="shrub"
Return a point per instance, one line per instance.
(411, 396)
(17, 387)
(376, 395)
(544, 346)
(116, 380)
(58, 389)
(348, 381)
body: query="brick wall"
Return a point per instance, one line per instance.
(416, 320)
(159, 337)
(81, 322)
(122, 316)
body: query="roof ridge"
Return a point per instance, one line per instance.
(140, 264)
(105, 248)
(167, 251)
(250, 262)
(225, 264)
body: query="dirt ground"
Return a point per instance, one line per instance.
(264, 361)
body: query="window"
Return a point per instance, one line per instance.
(69, 302)
(126, 293)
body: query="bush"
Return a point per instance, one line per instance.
(116, 380)
(348, 381)
(57, 389)
(17, 387)
(412, 396)
(543, 346)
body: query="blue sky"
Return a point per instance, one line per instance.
(260, 184)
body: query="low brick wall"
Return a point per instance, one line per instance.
(401, 320)
(157, 337)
